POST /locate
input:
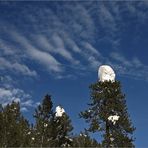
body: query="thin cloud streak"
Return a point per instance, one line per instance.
(16, 67)
(54, 45)
(133, 68)
(42, 57)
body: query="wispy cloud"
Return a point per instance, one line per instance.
(42, 57)
(120, 58)
(60, 48)
(107, 20)
(6, 49)
(7, 95)
(55, 45)
(66, 43)
(133, 67)
(91, 49)
(74, 37)
(16, 67)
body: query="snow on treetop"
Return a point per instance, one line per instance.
(106, 73)
(113, 118)
(59, 111)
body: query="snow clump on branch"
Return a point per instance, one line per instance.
(113, 118)
(59, 111)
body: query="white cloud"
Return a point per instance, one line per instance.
(7, 95)
(60, 40)
(16, 67)
(6, 81)
(77, 21)
(5, 78)
(41, 57)
(27, 103)
(91, 55)
(43, 42)
(24, 69)
(24, 109)
(60, 48)
(71, 44)
(91, 49)
(72, 34)
(55, 45)
(107, 20)
(133, 67)
(119, 58)
(69, 76)
(45, 59)
(94, 62)
(6, 49)
(137, 62)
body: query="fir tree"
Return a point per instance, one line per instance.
(14, 127)
(62, 130)
(107, 113)
(24, 130)
(51, 130)
(42, 135)
(11, 116)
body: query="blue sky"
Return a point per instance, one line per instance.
(57, 47)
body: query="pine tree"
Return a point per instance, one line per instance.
(24, 130)
(11, 114)
(51, 130)
(108, 114)
(62, 130)
(14, 126)
(42, 135)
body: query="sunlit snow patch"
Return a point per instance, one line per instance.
(45, 124)
(113, 118)
(59, 111)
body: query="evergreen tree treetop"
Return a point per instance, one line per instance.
(51, 129)
(107, 100)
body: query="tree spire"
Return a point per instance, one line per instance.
(108, 114)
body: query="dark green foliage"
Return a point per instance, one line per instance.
(106, 100)
(13, 126)
(84, 140)
(43, 126)
(62, 131)
(51, 130)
